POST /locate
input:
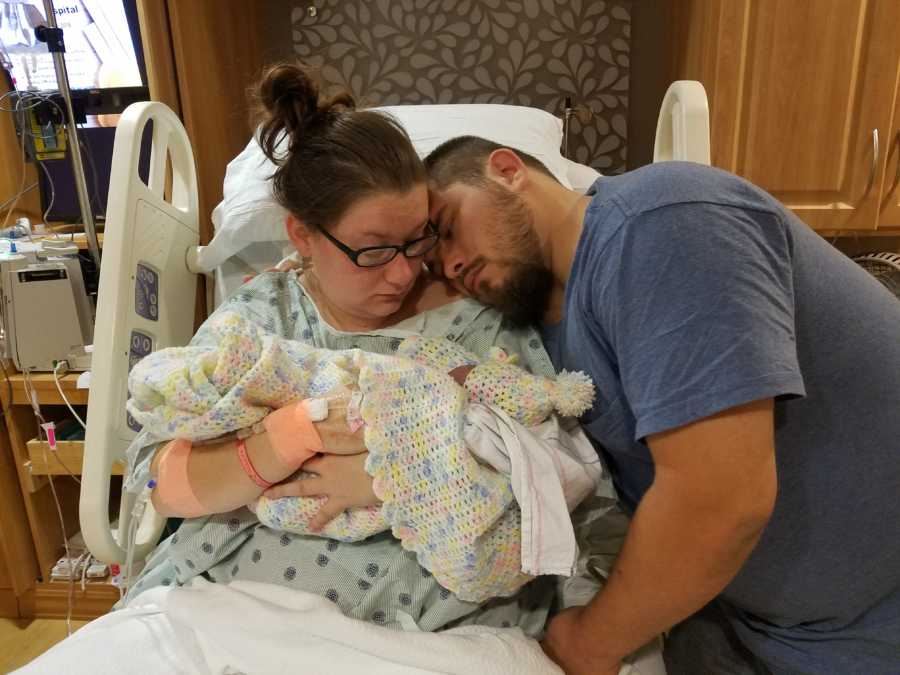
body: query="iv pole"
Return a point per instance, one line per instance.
(53, 36)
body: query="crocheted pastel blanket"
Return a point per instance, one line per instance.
(457, 515)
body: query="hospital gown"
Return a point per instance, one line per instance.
(375, 579)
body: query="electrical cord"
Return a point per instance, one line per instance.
(12, 207)
(63, 395)
(137, 515)
(87, 564)
(83, 142)
(25, 101)
(52, 190)
(35, 406)
(69, 471)
(16, 196)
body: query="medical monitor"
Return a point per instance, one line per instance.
(102, 38)
(105, 64)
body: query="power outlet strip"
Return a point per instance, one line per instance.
(73, 568)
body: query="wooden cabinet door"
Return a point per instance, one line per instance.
(797, 91)
(817, 89)
(890, 194)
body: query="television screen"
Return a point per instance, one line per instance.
(61, 202)
(100, 51)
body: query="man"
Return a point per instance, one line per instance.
(748, 380)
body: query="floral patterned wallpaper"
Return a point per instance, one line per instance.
(525, 52)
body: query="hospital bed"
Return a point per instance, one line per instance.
(152, 261)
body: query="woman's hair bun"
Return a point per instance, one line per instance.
(288, 102)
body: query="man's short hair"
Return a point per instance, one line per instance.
(463, 160)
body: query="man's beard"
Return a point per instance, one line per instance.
(524, 296)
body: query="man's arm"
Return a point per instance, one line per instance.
(713, 494)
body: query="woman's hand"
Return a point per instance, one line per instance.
(340, 478)
(336, 434)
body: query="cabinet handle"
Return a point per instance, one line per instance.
(875, 152)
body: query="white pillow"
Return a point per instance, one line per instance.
(534, 131)
(581, 176)
(249, 213)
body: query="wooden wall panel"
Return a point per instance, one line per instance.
(218, 51)
(153, 16)
(11, 171)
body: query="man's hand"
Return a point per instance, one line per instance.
(340, 478)
(568, 643)
(713, 493)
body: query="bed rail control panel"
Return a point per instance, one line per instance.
(146, 292)
(141, 345)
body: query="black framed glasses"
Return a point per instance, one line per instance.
(375, 256)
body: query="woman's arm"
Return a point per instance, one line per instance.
(218, 480)
(216, 477)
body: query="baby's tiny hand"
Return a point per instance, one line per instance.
(460, 374)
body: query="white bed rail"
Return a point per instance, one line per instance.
(145, 302)
(682, 129)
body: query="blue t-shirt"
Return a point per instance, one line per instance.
(691, 292)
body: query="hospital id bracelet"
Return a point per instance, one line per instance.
(248, 467)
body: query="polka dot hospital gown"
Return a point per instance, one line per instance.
(373, 580)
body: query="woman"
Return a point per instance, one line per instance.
(361, 217)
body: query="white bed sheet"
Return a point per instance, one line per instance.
(253, 628)
(252, 259)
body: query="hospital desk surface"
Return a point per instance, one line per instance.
(73, 233)
(45, 388)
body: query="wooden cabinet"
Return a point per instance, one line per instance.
(34, 520)
(890, 200)
(18, 563)
(799, 92)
